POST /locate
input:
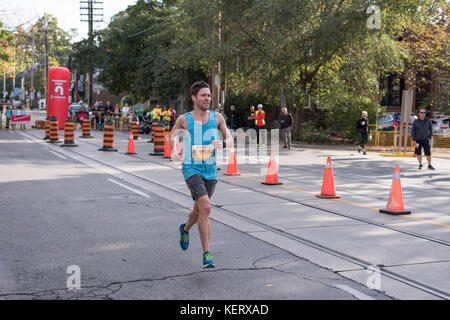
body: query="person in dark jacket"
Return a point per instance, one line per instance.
(285, 126)
(422, 133)
(362, 126)
(233, 117)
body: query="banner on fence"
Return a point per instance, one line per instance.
(22, 119)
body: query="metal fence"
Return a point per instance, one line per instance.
(387, 137)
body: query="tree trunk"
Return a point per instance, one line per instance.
(187, 94)
(298, 120)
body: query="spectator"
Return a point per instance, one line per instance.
(109, 109)
(260, 122)
(101, 110)
(286, 127)
(117, 116)
(233, 117)
(125, 111)
(251, 122)
(140, 111)
(422, 133)
(8, 116)
(82, 114)
(172, 117)
(14, 112)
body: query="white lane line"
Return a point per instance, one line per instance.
(129, 188)
(57, 154)
(354, 292)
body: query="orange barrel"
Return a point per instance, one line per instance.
(47, 128)
(158, 146)
(135, 128)
(69, 136)
(86, 125)
(155, 122)
(108, 136)
(53, 130)
(166, 127)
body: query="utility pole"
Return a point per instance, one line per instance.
(32, 91)
(4, 84)
(14, 73)
(89, 11)
(46, 57)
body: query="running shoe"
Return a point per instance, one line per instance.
(420, 166)
(364, 153)
(208, 260)
(430, 167)
(184, 237)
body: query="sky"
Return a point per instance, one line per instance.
(17, 12)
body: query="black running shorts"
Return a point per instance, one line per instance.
(199, 186)
(422, 144)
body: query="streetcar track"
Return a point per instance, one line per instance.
(352, 217)
(366, 265)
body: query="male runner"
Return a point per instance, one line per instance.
(201, 128)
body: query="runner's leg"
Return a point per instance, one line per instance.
(193, 217)
(204, 226)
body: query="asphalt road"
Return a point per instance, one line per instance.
(58, 214)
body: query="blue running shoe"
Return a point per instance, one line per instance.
(208, 260)
(184, 237)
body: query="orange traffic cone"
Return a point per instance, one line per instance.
(272, 176)
(328, 191)
(167, 151)
(131, 145)
(395, 201)
(232, 169)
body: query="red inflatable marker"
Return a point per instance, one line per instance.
(58, 94)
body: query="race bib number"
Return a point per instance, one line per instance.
(202, 153)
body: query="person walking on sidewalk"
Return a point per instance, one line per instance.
(285, 126)
(421, 134)
(201, 128)
(362, 126)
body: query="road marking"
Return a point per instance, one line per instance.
(129, 188)
(58, 155)
(354, 292)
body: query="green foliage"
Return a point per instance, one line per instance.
(311, 133)
(293, 51)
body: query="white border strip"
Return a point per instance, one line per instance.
(129, 188)
(58, 155)
(354, 292)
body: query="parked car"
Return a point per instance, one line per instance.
(446, 120)
(439, 126)
(393, 119)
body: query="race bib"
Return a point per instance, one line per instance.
(202, 153)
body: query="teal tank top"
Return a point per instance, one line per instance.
(199, 154)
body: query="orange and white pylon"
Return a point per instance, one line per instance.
(395, 202)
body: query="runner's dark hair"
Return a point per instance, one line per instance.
(197, 86)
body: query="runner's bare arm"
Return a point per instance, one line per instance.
(222, 126)
(180, 124)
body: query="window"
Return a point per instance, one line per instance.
(392, 87)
